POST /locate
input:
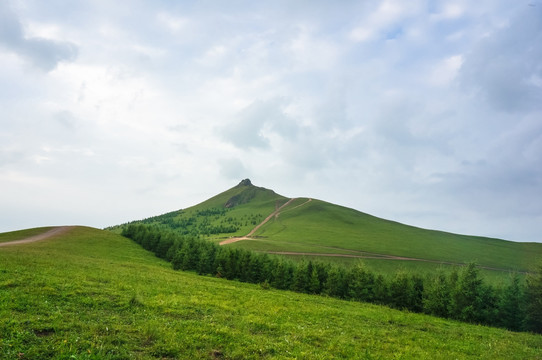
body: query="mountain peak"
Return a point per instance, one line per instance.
(245, 182)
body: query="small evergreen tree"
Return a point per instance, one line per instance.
(466, 300)
(381, 290)
(281, 275)
(436, 295)
(301, 277)
(511, 309)
(314, 282)
(401, 291)
(361, 283)
(416, 295)
(533, 298)
(336, 283)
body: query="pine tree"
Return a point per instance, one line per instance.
(416, 295)
(403, 294)
(436, 295)
(281, 275)
(335, 284)
(255, 269)
(165, 242)
(533, 296)
(466, 299)
(381, 290)
(487, 314)
(204, 262)
(511, 310)
(300, 277)
(313, 286)
(361, 283)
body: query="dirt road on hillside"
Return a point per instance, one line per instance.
(273, 214)
(46, 235)
(376, 256)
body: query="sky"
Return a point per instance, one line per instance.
(424, 112)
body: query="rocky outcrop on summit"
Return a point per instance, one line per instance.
(245, 182)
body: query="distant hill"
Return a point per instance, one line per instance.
(259, 219)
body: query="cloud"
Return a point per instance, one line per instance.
(382, 21)
(424, 113)
(43, 53)
(505, 67)
(255, 123)
(233, 169)
(66, 119)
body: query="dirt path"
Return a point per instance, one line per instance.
(357, 254)
(46, 235)
(383, 257)
(273, 214)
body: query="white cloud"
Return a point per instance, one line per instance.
(446, 70)
(165, 105)
(44, 53)
(385, 18)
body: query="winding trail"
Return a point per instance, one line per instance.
(356, 253)
(274, 214)
(384, 257)
(46, 235)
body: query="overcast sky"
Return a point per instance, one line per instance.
(424, 112)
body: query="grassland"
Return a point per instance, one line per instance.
(321, 228)
(91, 294)
(22, 234)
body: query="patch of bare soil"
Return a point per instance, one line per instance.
(46, 235)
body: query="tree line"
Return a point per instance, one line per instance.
(198, 223)
(459, 294)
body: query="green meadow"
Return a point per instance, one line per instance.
(322, 229)
(92, 294)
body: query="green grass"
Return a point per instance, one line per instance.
(21, 234)
(319, 224)
(319, 227)
(91, 294)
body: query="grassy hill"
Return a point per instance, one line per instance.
(92, 294)
(320, 230)
(21, 234)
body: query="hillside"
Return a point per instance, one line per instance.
(320, 230)
(92, 294)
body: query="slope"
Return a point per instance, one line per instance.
(233, 212)
(321, 230)
(318, 225)
(91, 294)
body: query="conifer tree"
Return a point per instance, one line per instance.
(281, 275)
(533, 298)
(361, 283)
(381, 290)
(401, 291)
(466, 300)
(313, 286)
(336, 283)
(436, 295)
(511, 309)
(300, 277)
(416, 295)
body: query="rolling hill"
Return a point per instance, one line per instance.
(259, 219)
(85, 293)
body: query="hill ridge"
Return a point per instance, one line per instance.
(310, 226)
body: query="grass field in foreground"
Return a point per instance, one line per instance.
(90, 294)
